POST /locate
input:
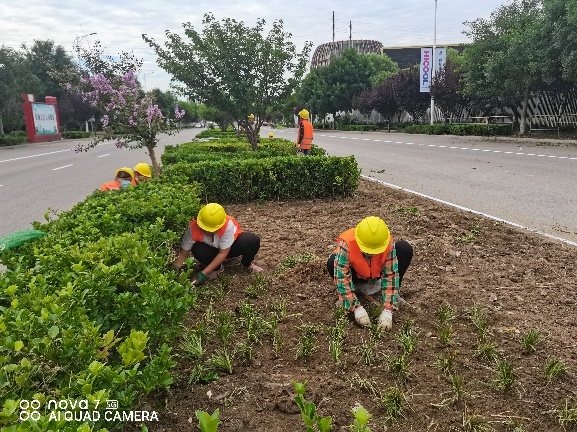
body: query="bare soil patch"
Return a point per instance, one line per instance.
(524, 281)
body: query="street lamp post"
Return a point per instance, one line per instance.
(144, 74)
(433, 63)
(79, 38)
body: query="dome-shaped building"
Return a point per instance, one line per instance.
(322, 54)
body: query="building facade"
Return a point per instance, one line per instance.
(322, 55)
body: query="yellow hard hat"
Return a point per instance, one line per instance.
(270, 135)
(211, 217)
(126, 170)
(372, 235)
(143, 169)
(251, 116)
(304, 114)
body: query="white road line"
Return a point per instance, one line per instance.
(409, 143)
(552, 156)
(387, 141)
(65, 166)
(540, 155)
(431, 145)
(36, 155)
(475, 149)
(355, 138)
(486, 150)
(562, 157)
(107, 154)
(464, 148)
(497, 151)
(368, 139)
(572, 243)
(398, 142)
(508, 152)
(519, 153)
(343, 137)
(442, 146)
(453, 147)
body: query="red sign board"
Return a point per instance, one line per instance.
(42, 121)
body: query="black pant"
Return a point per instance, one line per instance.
(404, 257)
(246, 244)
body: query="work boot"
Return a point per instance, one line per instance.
(362, 317)
(214, 274)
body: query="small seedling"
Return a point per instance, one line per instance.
(366, 351)
(446, 362)
(567, 415)
(457, 392)
(199, 375)
(246, 350)
(475, 423)
(306, 344)
(207, 422)
(367, 385)
(392, 402)
(222, 360)
(553, 368)
(407, 339)
(486, 351)
(399, 365)
(191, 345)
(292, 261)
(225, 327)
(478, 316)
(308, 411)
(407, 211)
(336, 337)
(362, 417)
(473, 233)
(446, 314)
(530, 340)
(259, 285)
(445, 333)
(505, 376)
(280, 307)
(272, 330)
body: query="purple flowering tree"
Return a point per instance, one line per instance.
(131, 120)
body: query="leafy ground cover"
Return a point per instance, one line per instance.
(486, 338)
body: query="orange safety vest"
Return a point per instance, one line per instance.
(358, 261)
(110, 186)
(307, 135)
(197, 233)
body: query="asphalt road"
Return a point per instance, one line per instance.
(523, 181)
(35, 177)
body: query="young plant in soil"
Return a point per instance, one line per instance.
(392, 402)
(505, 376)
(553, 367)
(206, 421)
(336, 338)
(309, 409)
(407, 211)
(225, 327)
(280, 307)
(200, 375)
(367, 351)
(475, 423)
(399, 365)
(367, 385)
(222, 288)
(362, 417)
(307, 343)
(446, 362)
(246, 350)
(191, 345)
(222, 360)
(445, 333)
(251, 321)
(567, 415)
(472, 235)
(486, 351)
(258, 286)
(478, 316)
(291, 261)
(407, 339)
(272, 330)
(446, 314)
(457, 391)
(530, 340)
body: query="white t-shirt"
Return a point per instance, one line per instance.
(223, 242)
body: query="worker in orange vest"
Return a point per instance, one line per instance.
(305, 136)
(124, 177)
(142, 172)
(367, 261)
(213, 237)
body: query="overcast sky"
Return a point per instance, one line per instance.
(119, 24)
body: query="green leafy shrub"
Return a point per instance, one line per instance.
(216, 133)
(242, 180)
(460, 129)
(10, 140)
(359, 128)
(75, 134)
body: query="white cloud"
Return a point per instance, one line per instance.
(119, 24)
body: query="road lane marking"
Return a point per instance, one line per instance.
(36, 155)
(65, 166)
(460, 207)
(107, 154)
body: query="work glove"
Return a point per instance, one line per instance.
(199, 279)
(385, 320)
(173, 267)
(362, 317)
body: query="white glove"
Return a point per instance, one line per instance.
(362, 317)
(385, 320)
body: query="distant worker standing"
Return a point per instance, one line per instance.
(142, 172)
(124, 177)
(368, 261)
(305, 136)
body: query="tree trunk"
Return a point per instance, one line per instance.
(1, 127)
(523, 125)
(152, 155)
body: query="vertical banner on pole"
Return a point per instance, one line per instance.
(440, 59)
(425, 77)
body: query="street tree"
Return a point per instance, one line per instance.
(165, 100)
(407, 93)
(74, 111)
(132, 121)
(507, 59)
(447, 87)
(382, 67)
(208, 113)
(236, 69)
(561, 29)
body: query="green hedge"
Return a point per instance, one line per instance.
(227, 148)
(10, 140)
(242, 180)
(359, 127)
(464, 129)
(88, 311)
(75, 134)
(216, 133)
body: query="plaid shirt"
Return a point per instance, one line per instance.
(344, 279)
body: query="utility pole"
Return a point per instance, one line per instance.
(433, 64)
(334, 47)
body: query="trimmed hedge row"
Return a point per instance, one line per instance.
(216, 133)
(231, 148)
(289, 177)
(75, 134)
(359, 128)
(88, 311)
(466, 129)
(10, 140)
